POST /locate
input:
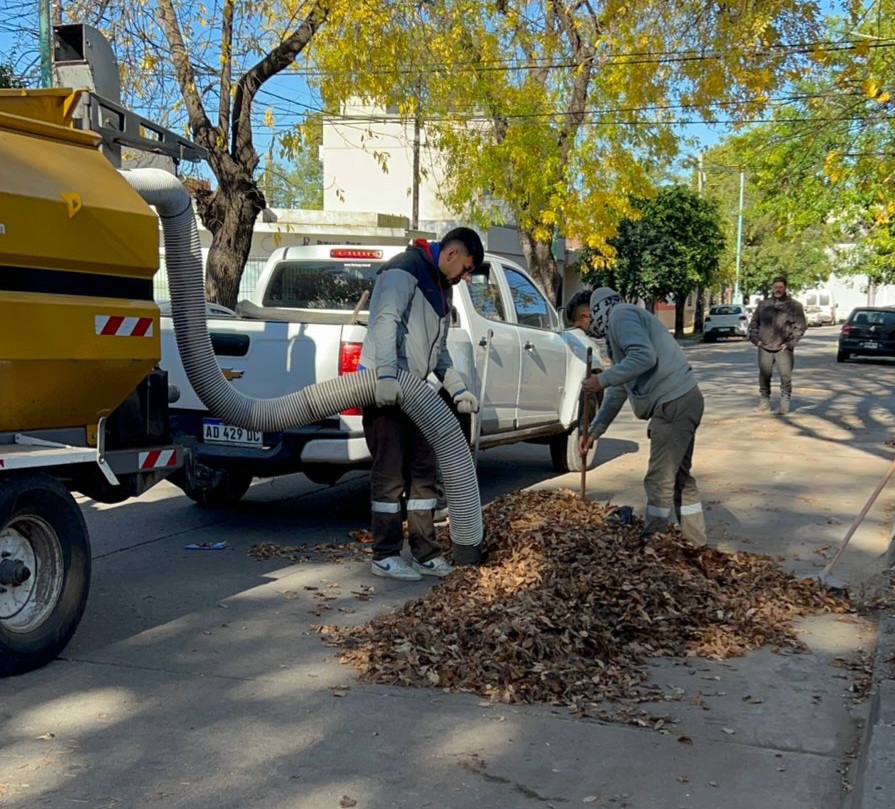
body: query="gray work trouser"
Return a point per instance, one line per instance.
(784, 360)
(402, 478)
(671, 490)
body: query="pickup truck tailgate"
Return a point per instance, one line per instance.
(262, 358)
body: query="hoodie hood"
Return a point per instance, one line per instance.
(602, 301)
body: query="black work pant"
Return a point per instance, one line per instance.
(402, 478)
(784, 360)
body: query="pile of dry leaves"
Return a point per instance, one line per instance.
(569, 607)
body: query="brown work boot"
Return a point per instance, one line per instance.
(764, 405)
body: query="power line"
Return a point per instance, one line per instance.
(602, 60)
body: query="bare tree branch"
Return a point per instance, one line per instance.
(246, 89)
(203, 131)
(226, 64)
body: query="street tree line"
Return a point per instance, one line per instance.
(559, 116)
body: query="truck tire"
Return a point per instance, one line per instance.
(564, 453)
(44, 571)
(227, 490)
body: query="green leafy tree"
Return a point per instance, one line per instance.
(780, 236)
(819, 174)
(672, 249)
(299, 184)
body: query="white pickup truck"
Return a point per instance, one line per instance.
(306, 323)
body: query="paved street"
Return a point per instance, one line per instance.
(196, 680)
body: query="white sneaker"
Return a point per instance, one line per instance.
(434, 567)
(394, 567)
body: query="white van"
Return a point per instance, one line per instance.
(824, 299)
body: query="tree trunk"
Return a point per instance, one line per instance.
(680, 307)
(699, 315)
(542, 266)
(229, 214)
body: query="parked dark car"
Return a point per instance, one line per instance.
(868, 332)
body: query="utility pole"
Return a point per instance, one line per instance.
(46, 43)
(699, 314)
(415, 190)
(736, 288)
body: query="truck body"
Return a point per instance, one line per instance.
(306, 322)
(83, 405)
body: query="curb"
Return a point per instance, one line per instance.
(874, 782)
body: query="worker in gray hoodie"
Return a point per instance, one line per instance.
(410, 315)
(650, 369)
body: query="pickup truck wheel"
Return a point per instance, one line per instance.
(227, 491)
(564, 453)
(44, 571)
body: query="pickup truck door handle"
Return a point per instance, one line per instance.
(528, 345)
(483, 341)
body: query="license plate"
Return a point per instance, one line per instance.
(870, 345)
(216, 432)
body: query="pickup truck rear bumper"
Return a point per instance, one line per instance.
(282, 453)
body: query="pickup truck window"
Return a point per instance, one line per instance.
(531, 307)
(485, 296)
(320, 284)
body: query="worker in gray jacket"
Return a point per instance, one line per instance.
(778, 323)
(650, 369)
(410, 314)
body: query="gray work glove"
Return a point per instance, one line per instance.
(596, 429)
(466, 402)
(388, 392)
(464, 399)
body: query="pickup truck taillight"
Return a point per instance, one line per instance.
(349, 359)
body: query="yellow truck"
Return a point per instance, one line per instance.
(83, 406)
(83, 402)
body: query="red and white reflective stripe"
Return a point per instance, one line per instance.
(158, 459)
(119, 326)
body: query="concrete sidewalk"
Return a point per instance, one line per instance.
(198, 681)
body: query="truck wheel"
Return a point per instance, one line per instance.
(228, 489)
(44, 571)
(564, 453)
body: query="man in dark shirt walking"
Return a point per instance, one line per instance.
(778, 323)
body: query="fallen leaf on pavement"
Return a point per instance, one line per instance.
(567, 610)
(347, 802)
